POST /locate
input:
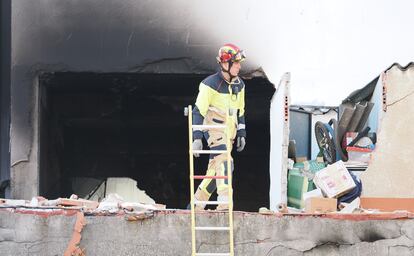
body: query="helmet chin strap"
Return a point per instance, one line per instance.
(228, 70)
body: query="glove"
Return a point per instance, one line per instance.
(241, 142)
(197, 145)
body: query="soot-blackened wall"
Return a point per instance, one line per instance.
(110, 42)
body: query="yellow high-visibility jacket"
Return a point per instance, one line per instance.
(216, 93)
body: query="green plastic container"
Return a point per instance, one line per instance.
(298, 184)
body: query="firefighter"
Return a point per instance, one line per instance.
(218, 93)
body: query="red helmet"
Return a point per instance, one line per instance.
(230, 52)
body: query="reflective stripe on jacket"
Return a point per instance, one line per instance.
(216, 93)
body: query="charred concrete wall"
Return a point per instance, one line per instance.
(168, 233)
(5, 55)
(92, 36)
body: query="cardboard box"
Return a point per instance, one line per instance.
(313, 193)
(320, 205)
(301, 159)
(334, 180)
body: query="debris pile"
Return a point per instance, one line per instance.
(112, 204)
(314, 188)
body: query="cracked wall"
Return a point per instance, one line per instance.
(390, 173)
(168, 233)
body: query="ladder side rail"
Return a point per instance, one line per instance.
(229, 174)
(190, 151)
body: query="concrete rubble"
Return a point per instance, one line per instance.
(113, 203)
(73, 206)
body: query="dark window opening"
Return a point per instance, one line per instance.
(132, 125)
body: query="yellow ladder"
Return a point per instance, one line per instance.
(193, 202)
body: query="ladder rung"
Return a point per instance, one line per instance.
(209, 151)
(202, 126)
(212, 228)
(200, 177)
(212, 254)
(211, 202)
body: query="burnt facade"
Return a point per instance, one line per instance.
(5, 57)
(98, 90)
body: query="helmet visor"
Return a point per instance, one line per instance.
(239, 56)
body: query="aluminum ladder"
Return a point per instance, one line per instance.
(193, 202)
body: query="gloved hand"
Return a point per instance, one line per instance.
(241, 142)
(197, 145)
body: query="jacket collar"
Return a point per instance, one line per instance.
(236, 81)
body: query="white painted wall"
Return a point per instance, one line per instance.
(279, 142)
